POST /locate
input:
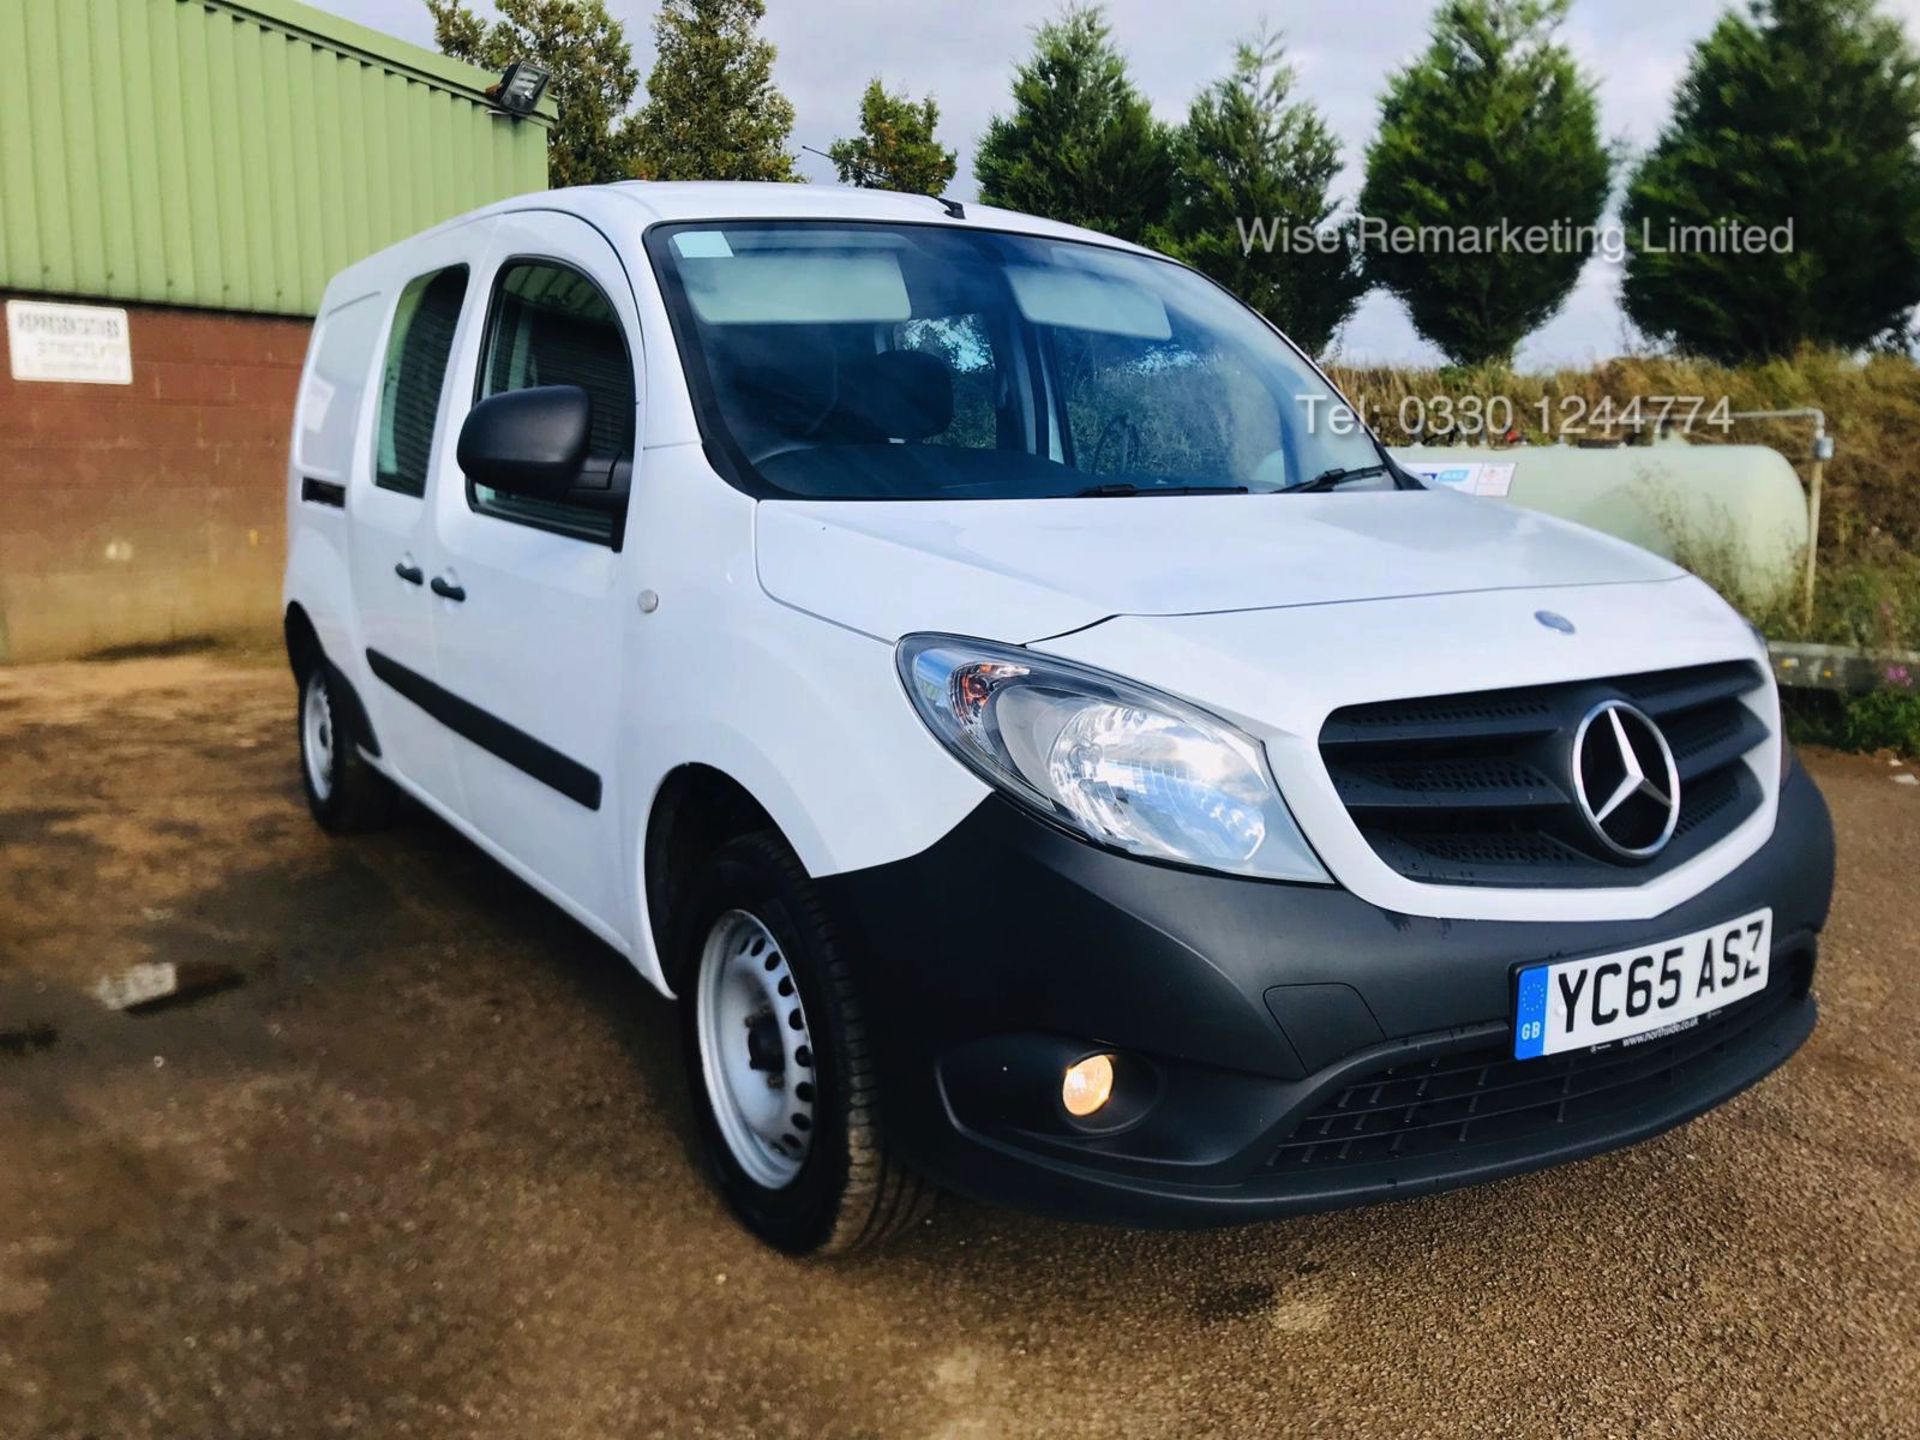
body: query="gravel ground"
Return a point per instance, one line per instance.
(425, 1171)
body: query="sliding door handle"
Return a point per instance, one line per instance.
(412, 574)
(445, 589)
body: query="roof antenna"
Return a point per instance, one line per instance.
(954, 208)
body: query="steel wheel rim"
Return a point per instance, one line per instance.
(756, 1052)
(316, 737)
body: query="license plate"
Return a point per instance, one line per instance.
(1577, 1004)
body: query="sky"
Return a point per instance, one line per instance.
(964, 55)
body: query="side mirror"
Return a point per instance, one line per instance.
(529, 443)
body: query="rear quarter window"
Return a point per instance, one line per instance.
(418, 347)
(340, 354)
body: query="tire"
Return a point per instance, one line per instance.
(344, 792)
(754, 933)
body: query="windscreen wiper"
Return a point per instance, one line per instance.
(1127, 487)
(1329, 479)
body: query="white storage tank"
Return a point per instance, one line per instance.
(1737, 513)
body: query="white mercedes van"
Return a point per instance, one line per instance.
(1047, 749)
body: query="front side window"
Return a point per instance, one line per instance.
(842, 360)
(418, 347)
(551, 325)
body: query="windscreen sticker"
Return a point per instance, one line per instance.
(1494, 480)
(703, 245)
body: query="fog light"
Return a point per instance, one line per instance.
(1087, 1086)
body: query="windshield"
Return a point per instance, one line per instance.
(864, 362)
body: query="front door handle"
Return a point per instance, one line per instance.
(412, 574)
(445, 589)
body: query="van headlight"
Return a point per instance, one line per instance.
(1121, 764)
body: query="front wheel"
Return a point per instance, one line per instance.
(343, 791)
(778, 1061)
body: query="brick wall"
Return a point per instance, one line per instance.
(153, 511)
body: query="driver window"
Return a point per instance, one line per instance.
(551, 325)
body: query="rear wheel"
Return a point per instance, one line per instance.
(778, 1060)
(344, 792)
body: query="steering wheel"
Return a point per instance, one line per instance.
(1121, 424)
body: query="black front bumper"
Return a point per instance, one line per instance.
(1248, 1015)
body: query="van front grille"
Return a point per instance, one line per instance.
(1478, 789)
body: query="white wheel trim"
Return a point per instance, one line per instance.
(764, 1101)
(316, 737)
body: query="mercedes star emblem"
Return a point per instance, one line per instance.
(1625, 780)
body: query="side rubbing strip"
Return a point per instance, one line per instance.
(491, 733)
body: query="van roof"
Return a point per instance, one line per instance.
(623, 210)
(632, 205)
(741, 200)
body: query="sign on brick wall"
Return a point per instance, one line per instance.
(86, 344)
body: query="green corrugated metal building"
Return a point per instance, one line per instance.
(183, 176)
(232, 156)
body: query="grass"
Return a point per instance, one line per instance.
(1858, 604)
(1882, 720)
(1871, 605)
